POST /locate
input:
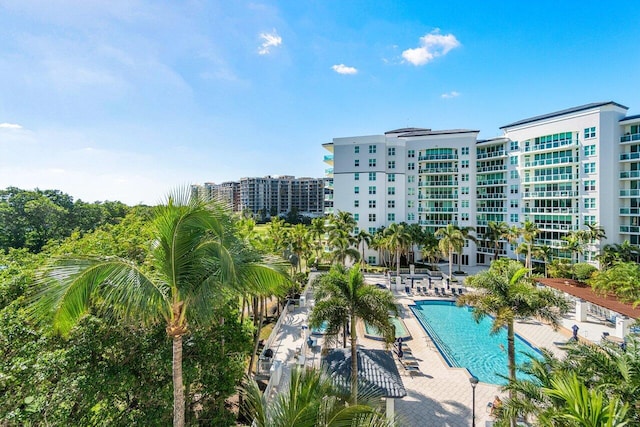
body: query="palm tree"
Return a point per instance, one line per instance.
(311, 400)
(506, 294)
(343, 297)
(451, 240)
(545, 253)
(416, 237)
(398, 239)
(364, 238)
(495, 232)
(430, 249)
(195, 255)
(466, 235)
(298, 240)
(317, 230)
(342, 248)
(529, 232)
(623, 252)
(574, 244)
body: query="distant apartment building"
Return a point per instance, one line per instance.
(559, 170)
(269, 196)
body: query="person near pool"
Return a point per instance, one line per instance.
(575, 328)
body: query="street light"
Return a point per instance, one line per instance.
(474, 383)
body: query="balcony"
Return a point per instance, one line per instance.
(492, 196)
(438, 184)
(547, 194)
(436, 210)
(436, 171)
(549, 162)
(551, 210)
(328, 158)
(629, 193)
(494, 168)
(630, 156)
(492, 182)
(328, 197)
(550, 145)
(437, 223)
(630, 137)
(328, 172)
(630, 174)
(556, 177)
(432, 157)
(491, 154)
(629, 211)
(451, 196)
(491, 210)
(629, 229)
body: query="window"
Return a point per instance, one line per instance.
(356, 162)
(372, 163)
(513, 160)
(391, 151)
(372, 230)
(371, 259)
(372, 204)
(391, 217)
(372, 190)
(411, 154)
(590, 185)
(391, 177)
(513, 203)
(372, 176)
(411, 166)
(464, 151)
(514, 174)
(410, 203)
(513, 189)
(465, 164)
(464, 190)
(356, 216)
(411, 216)
(391, 204)
(356, 230)
(356, 190)
(590, 167)
(356, 149)
(464, 216)
(356, 203)
(590, 203)
(391, 164)
(514, 218)
(590, 150)
(411, 191)
(372, 149)
(391, 191)
(464, 177)
(465, 203)
(356, 176)
(372, 217)
(589, 133)
(411, 179)
(513, 145)
(589, 219)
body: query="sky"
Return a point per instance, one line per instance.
(129, 99)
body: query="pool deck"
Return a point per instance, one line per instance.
(437, 395)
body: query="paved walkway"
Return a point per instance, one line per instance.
(438, 395)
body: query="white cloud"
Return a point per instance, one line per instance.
(449, 95)
(432, 45)
(343, 69)
(10, 126)
(270, 40)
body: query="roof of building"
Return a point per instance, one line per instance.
(437, 132)
(580, 290)
(637, 116)
(496, 139)
(403, 130)
(563, 112)
(377, 371)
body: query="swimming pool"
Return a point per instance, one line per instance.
(401, 330)
(321, 330)
(465, 343)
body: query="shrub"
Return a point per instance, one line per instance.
(583, 271)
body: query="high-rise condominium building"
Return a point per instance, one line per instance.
(270, 195)
(560, 170)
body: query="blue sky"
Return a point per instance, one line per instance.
(125, 100)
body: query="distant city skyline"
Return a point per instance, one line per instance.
(126, 100)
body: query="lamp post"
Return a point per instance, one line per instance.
(474, 383)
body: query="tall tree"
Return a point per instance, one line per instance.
(545, 253)
(451, 241)
(342, 297)
(529, 232)
(466, 235)
(398, 239)
(496, 231)
(196, 257)
(364, 238)
(504, 293)
(317, 229)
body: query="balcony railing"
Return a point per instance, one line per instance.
(630, 156)
(491, 154)
(630, 137)
(492, 182)
(328, 158)
(629, 229)
(492, 196)
(556, 177)
(491, 168)
(438, 157)
(627, 193)
(438, 196)
(437, 183)
(551, 210)
(629, 211)
(550, 145)
(491, 210)
(437, 223)
(436, 210)
(545, 194)
(433, 171)
(548, 162)
(630, 174)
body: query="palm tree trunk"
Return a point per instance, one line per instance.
(256, 340)
(178, 386)
(529, 261)
(511, 355)
(450, 263)
(354, 362)
(344, 335)
(398, 262)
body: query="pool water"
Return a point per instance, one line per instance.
(321, 330)
(465, 343)
(401, 331)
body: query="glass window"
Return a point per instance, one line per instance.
(465, 203)
(589, 219)
(372, 230)
(411, 166)
(514, 174)
(372, 190)
(372, 163)
(590, 203)
(356, 176)
(589, 133)
(465, 164)
(372, 217)
(464, 190)
(356, 230)
(590, 150)
(410, 203)
(372, 176)
(356, 149)
(464, 151)
(514, 218)
(391, 177)
(356, 216)
(513, 189)
(356, 203)
(391, 217)
(372, 149)
(391, 204)
(513, 203)
(411, 191)
(464, 216)
(371, 259)
(356, 162)
(465, 177)
(391, 191)
(590, 185)
(372, 204)
(356, 190)
(411, 216)
(411, 154)
(391, 151)
(411, 179)
(513, 160)
(590, 167)
(513, 145)
(391, 164)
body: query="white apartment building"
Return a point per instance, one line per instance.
(559, 170)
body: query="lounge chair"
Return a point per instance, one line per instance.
(459, 291)
(444, 293)
(437, 291)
